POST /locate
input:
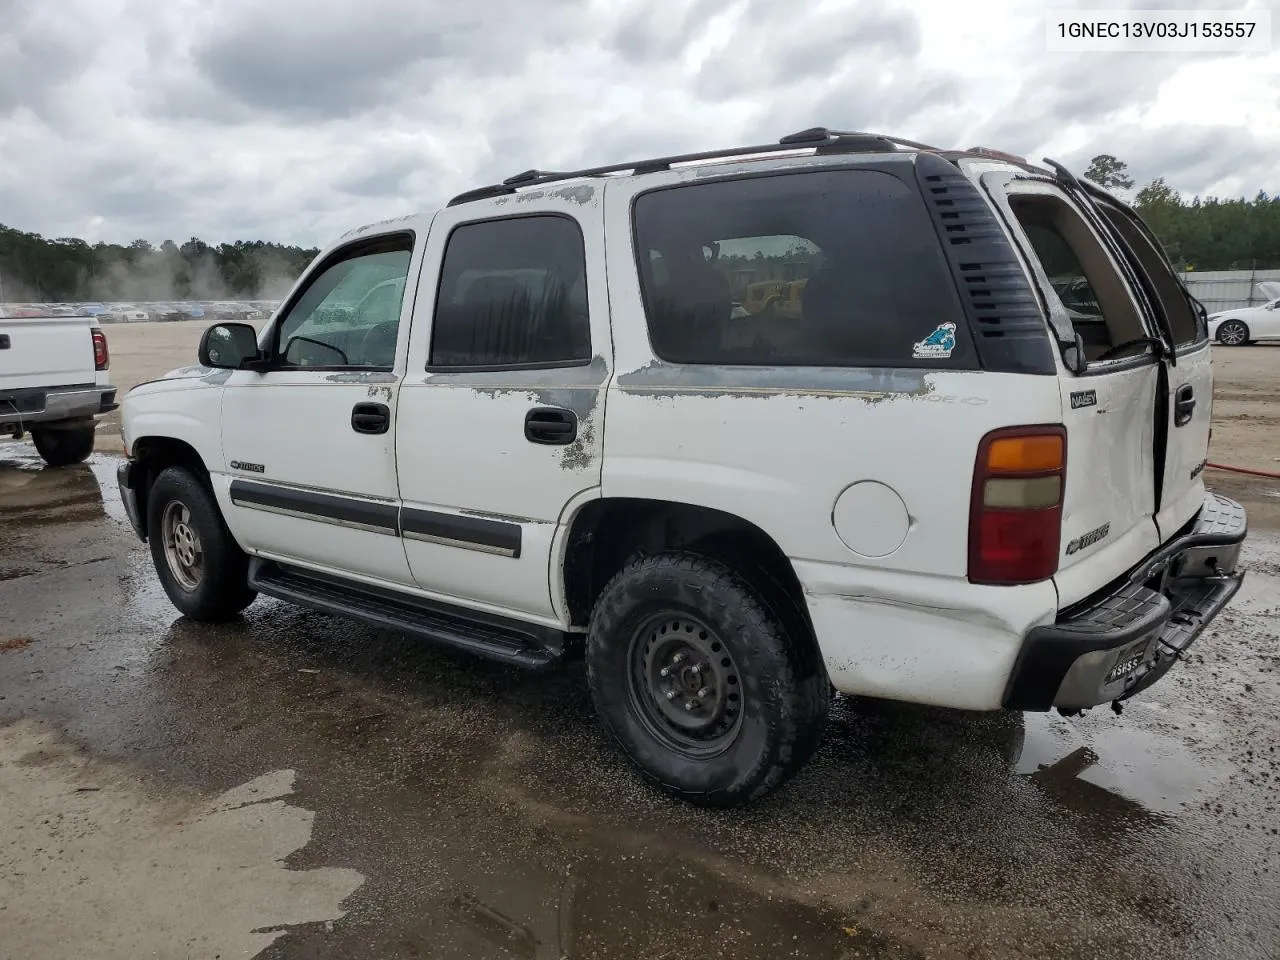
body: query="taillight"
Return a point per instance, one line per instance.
(1015, 516)
(101, 355)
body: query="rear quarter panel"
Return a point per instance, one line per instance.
(862, 476)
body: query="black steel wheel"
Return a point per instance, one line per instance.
(685, 685)
(698, 680)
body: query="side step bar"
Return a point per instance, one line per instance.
(495, 638)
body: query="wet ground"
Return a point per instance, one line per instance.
(303, 786)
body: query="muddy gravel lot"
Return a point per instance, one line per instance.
(295, 785)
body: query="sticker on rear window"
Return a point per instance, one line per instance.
(937, 345)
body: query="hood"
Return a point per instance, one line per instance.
(184, 373)
(183, 378)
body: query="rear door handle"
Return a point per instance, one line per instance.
(551, 425)
(370, 418)
(1184, 405)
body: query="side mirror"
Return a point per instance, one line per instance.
(226, 346)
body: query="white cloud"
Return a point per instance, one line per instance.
(298, 119)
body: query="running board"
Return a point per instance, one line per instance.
(495, 638)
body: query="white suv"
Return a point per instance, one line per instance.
(929, 482)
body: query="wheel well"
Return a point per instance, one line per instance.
(156, 454)
(608, 533)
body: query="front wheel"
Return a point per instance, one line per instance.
(698, 681)
(61, 448)
(1233, 333)
(202, 568)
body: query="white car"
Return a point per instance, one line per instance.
(526, 442)
(126, 313)
(1236, 328)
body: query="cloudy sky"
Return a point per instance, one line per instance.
(293, 120)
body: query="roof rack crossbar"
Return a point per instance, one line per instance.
(819, 138)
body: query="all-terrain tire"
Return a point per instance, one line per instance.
(61, 448)
(775, 679)
(184, 522)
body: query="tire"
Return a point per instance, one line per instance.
(203, 570)
(61, 448)
(1233, 333)
(769, 694)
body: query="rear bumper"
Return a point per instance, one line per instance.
(35, 407)
(1113, 646)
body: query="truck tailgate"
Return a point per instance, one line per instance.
(45, 352)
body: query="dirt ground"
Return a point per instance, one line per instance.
(293, 785)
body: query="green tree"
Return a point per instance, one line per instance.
(34, 268)
(1106, 171)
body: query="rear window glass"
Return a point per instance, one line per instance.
(824, 268)
(1186, 324)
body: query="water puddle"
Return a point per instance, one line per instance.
(1112, 764)
(104, 471)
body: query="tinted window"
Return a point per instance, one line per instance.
(512, 292)
(1167, 290)
(829, 268)
(349, 316)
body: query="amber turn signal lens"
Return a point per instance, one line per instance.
(1031, 454)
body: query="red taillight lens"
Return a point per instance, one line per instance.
(1015, 518)
(101, 355)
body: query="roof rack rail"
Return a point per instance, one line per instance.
(820, 139)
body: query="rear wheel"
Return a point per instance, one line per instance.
(698, 681)
(60, 448)
(1233, 333)
(202, 569)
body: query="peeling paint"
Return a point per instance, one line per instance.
(872, 385)
(379, 225)
(579, 454)
(377, 391)
(371, 377)
(581, 194)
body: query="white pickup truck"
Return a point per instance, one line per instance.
(534, 425)
(54, 384)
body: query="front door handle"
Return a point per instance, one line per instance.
(552, 425)
(370, 418)
(1184, 405)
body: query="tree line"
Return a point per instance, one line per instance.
(1204, 233)
(68, 269)
(1200, 234)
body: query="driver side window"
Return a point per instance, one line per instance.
(349, 315)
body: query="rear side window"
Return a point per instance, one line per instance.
(822, 268)
(512, 292)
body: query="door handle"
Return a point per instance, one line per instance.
(552, 425)
(370, 418)
(1184, 405)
